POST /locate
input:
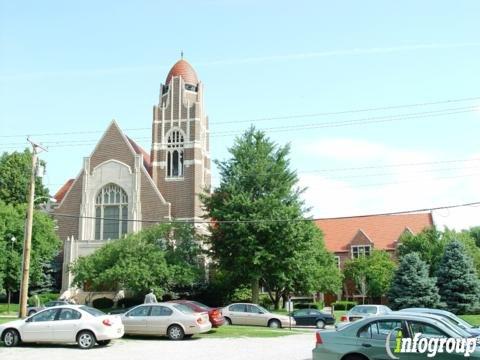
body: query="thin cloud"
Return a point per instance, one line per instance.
(246, 60)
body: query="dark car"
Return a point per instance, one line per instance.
(312, 317)
(214, 314)
(34, 309)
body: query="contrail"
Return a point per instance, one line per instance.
(246, 60)
(340, 52)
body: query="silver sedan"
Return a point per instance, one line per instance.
(177, 321)
(253, 314)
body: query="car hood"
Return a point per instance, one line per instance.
(13, 323)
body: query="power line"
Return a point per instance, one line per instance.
(319, 114)
(268, 220)
(299, 127)
(383, 108)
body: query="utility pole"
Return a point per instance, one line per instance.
(27, 241)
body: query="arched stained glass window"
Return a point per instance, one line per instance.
(111, 213)
(175, 144)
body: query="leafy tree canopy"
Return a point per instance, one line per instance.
(45, 246)
(257, 189)
(430, 245)
(375, 272)
(15, 170)
(165, 257)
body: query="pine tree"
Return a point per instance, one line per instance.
(458, 282)
(412, 286)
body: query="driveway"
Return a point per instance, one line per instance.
(293, 347)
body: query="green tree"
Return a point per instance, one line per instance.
(306, 270)
(45, 246)
(458, 282)
(257, 188)
(372, 275)
(428, 244)
(475, 234)
(412, 286)
(163, 257)
(15, 170)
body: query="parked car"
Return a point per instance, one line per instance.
(312, 317)
(34, 309)
(460, 331)
(253, 314)
(64, 324)
(177, 321)
(475, 331)
(214, 314)
(359, 312)
(366, 338)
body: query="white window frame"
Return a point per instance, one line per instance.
(360, 250)
(100, 204)
(337, 260)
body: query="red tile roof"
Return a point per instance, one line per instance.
(383, 230)
(146, 156)
(185, 70)
(60, 194)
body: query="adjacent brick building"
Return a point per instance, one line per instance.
(121, 188)
(350, 237)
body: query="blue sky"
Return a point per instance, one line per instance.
(69, 67)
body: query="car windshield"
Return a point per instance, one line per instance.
(364, 310)
(183, 308)
(92, 311)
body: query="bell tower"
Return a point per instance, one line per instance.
(180, 142)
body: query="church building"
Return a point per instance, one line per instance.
(121, 188)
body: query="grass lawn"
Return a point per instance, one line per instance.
(13, 309)
(235, 331)
(6, 319)
(472, 319)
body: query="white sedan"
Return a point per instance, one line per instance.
(64, 324)
(177, 321)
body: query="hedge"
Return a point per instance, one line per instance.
(343, 305)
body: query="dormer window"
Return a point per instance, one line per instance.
(360, 250)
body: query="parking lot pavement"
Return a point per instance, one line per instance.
(293, 347)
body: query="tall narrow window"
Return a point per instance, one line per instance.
(111, 213)
(175, 154)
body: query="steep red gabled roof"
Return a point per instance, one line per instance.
(383, 230)
(140, 151)
(60, 194)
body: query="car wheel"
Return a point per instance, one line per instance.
(227, 321)
(175, 332)
(31, 312)
(275, 324)
(104, 342)
(11, 338)
(320, 324)
(86, 340)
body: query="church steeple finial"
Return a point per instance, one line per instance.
(181, 54)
